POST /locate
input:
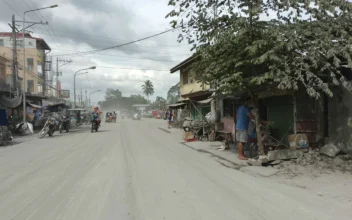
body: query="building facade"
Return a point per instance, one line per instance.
(35, 64)
(192, 91)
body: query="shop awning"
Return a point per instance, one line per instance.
(33, 105)
(177, 104)
(77, 109)
(204, 102)
(10, 103)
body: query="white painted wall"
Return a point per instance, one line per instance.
(30, 43)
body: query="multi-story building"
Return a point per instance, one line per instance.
(192, 90)
(4, 63)
(35, 63)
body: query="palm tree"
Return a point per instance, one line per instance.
(148, 88)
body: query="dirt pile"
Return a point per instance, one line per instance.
(180, 118)
(313, 157)
(314, 163)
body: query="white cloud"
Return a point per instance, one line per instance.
(78, 25)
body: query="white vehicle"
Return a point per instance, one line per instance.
(136, 116)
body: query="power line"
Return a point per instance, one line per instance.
(117, 46)
(50, 26)
(35, 13)
(30, 72)
(123, 50)
(12, 8)
(105, 38)
(121, 68)
(113, 40)
(140, 58)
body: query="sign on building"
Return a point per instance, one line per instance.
(65, 94)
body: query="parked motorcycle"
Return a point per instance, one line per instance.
(49, 127)
(5, 135)
(95, 123)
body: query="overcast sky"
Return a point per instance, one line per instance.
(81, 25)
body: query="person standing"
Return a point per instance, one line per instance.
(242, 123)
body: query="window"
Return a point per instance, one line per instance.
(185, 77)
(30, 86)
(19, 43)
(30, 64)
(1, 42)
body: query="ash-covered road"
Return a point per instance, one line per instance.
(134, 170)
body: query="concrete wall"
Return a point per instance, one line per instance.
(340, 117)
(192, 86)
(30, 53)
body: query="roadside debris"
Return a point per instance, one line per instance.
(259, 162)
(178, 122)
(330, 150)
(293, 163)
(284, 154)
(314, 163)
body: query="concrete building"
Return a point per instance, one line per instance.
(4, 63)
(35, 63)
(140, 107)
(192, 90)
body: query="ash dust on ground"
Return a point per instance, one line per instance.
(323, 175)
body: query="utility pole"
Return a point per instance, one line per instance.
(57, 77)
(14, 56)
(81, 98)
(86, 100)
(59, 73)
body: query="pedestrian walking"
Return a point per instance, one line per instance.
(168, 116)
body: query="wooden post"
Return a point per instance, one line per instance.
(258, 128)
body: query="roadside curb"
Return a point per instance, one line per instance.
(235, 164)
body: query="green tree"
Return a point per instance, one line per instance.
(173, 94)
(112, 94)
(114, 100)
(159, 103)
(148, 88)
(303, 45)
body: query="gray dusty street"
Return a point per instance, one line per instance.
(134, 170)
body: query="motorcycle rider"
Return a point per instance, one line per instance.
(97, 114)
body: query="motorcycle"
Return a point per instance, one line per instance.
(95, 123)
(136, 116)
(5, 135)
(49, 128)
(65, 124)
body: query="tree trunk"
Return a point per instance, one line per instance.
(258, 128)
